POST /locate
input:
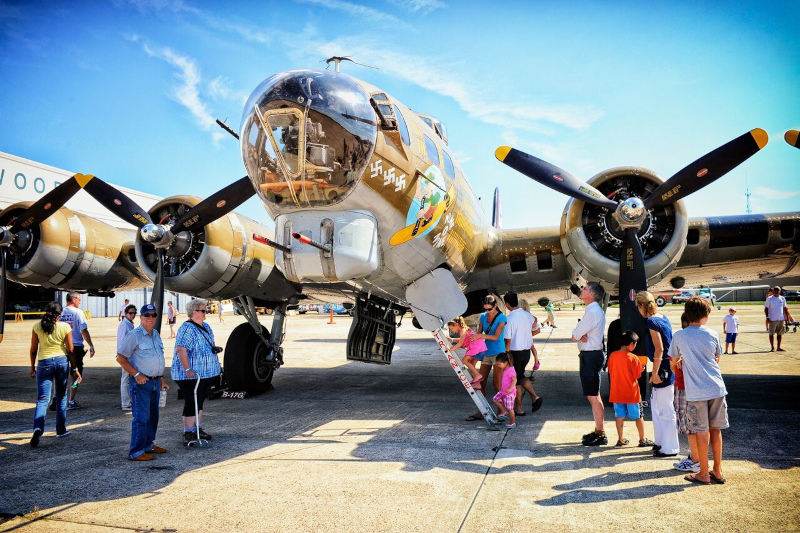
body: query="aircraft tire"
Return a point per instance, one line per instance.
(245, 361)
(661, 301)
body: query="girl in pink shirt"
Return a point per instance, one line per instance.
(504, 400)
(474, 348)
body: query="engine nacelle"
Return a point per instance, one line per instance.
(592, 239)
(72, 251)
(221, 260)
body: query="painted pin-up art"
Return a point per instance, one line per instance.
(429, 203)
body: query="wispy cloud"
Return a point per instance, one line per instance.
(419, 6)
(774, 194)
(366, 14)
(187, 91)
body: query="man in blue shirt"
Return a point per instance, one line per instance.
(141, 355)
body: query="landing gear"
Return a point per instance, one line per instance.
(252, 354)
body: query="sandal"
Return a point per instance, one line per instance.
(476, 380)
(623, 442)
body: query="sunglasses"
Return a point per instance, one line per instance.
(149, 315)
(131, 313)
(201, 311)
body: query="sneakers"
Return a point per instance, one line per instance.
(596, 440)
(687, 465)
(35, 439)
(157, 449)
(65, 434)
(73, 405)
(144, 457)
(646, 443)
(588, 436)
(127, 408)
(189, 436)
(204, 435)
(510, 426)
(503, 416)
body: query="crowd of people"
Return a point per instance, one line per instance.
(687, 390)
(57, 352)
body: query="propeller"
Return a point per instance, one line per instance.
(632, 212)
(37, 213)
(162, 236)
(791, 137)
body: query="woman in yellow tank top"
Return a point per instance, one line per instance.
(51, 345)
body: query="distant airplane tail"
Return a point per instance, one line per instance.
(497, 215)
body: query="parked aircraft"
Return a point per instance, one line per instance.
(372, 209)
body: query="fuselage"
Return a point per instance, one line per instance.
(369, 162)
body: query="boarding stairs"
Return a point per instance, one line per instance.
(479, 399)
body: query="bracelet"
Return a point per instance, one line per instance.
(136, 375)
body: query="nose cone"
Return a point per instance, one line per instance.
(307, 137)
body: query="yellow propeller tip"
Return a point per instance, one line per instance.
(760, 136)
(791, 137)
(83, 179)
(502, 152)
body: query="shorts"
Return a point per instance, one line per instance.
(708, 414)
(79, 352)
(591, 364)
(477, 356)
(731, 337)
(631, 410)
(488, 360)
(506, 399)
(681, 412)
(521, 358)
(777, 327)
(171, 320)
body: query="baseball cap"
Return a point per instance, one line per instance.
(731, 308)
(776, 288)
(149, 308)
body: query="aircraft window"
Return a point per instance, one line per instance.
(430, 148)
(693, 237)
(310, 136)
(517, 264)
(385, 109)
(427, 121)
(544, 260)
(401, 124)
(448, 165)
(380, 96)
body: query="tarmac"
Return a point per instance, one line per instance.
(345, 446)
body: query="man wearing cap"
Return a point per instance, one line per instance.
(777, 314)
(141, 354)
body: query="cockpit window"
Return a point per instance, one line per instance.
(430, 149)
(307, 137)
(401, 125)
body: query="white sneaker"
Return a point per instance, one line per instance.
(687, 466)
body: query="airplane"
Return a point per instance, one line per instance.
(371, 209)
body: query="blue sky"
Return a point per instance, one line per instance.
(128, 89)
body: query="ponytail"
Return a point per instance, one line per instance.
(51, 314)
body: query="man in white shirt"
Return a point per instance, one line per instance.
(589, 336)
(122, 310)
(777, 315)
(519, 339)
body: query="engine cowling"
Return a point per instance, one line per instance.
(592, 239)
(221, 260)
(72, 251)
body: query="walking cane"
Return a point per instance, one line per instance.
(200, 442)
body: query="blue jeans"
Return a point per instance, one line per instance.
(144, 401)
(47, 370)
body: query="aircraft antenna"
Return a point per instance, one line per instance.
(338, 59)
(747, 194)
(227, 128)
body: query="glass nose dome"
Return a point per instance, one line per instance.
(307, 137)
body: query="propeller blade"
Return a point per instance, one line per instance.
(215, 206)
(48, 204)
(632, 279)
(791, 138)
(115, 201)
(2, 292)
(158, 288)
(551, 176)
(708, 168)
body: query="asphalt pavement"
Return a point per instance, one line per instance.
(343, 446)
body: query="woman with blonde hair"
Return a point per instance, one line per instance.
(657, 342)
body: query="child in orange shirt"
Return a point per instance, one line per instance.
(624, 369)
